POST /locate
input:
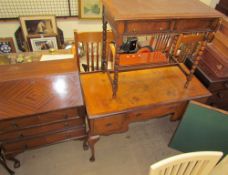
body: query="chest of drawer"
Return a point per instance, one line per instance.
(36, 120)
(20, 146)
(41, 130)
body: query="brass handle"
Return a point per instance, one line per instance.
(66, 116)
(109, 124)
(15, 125)
(226, 84)
(220, 95)
(138, 115)
(66, 124)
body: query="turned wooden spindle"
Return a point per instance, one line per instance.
(104, 41)
(170, 53)
(195, 63)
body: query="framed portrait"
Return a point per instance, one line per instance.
(7, 45)
(90, 9)
(38, 25)
(37, 43)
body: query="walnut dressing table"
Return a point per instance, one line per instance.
(40, 104)
(146, 17)
(143, 95)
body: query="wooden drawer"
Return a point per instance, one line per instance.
(45, 129)
(119, 123)
(187, 25)
(26, 122)
(220, 97)
(150, 113)
(108, 125)
(218, 86)
(20, 146)
(148, 27)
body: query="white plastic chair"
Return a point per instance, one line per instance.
(195, 163)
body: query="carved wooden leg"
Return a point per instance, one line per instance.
(104, 42)
(17, 163)
(3, 163)
(85, 144)
(92, 141)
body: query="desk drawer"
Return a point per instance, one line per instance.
(20, 146)
(119, 123)
(45, 129)
(26, 122)
(187, 25)
(148, 27)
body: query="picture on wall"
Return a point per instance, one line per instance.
(90, 9)
(44, 43)
(7, 45)
(38, 25)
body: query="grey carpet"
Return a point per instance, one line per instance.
(130, 153)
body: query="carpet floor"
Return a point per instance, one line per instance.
(129, 153)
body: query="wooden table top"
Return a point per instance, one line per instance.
(158, 9)
(33, 88)
(137, 89)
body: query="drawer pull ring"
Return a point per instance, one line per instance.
(226, 84)
(66, 116)
(15, 125)
(109, 124)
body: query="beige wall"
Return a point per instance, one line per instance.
(8, 28)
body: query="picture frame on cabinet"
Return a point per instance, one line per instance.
(38, 25)
(7, 45)
(47, 42)
(90, 9)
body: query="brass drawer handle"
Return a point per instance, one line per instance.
(220, 95)
(25, 146)
(66, 116)
(66, 124)
(108, 124)
(226, 85)
(15, 125)
(138, 115)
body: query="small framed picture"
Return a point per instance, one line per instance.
(7, 45)
(46, 42)
(38, 25)
(90, 9)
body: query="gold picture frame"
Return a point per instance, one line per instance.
(90, 9)
(38, 25)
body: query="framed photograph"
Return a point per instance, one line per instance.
(38, 25)
(47, 42)
(90, 9)
(7, 45)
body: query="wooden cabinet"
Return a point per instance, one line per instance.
(40, 104)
